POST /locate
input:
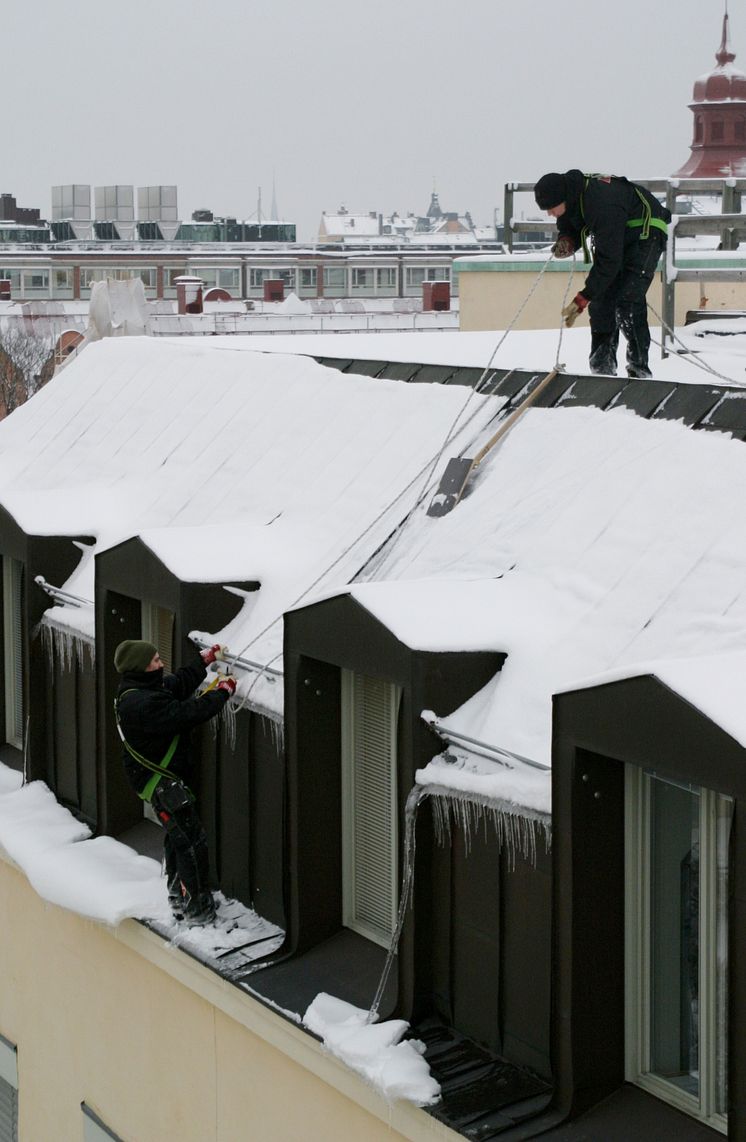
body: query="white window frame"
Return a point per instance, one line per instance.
(308, 278)
(416, 276)
(363, 894)
(638, 950)
(362, 278)
(34, 280)
(13, 651)
(385, 279)
(229, 277)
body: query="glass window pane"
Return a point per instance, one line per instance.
(724, 817)
(674, 935)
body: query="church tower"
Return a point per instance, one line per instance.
(719, 108)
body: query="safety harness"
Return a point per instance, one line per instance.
(645, 222)
(159, 770)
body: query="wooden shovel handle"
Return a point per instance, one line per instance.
(515, 414)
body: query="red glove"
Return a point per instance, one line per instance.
(572, 311)
(227, 683)
(213, 654)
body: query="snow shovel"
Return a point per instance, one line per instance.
(459, 468)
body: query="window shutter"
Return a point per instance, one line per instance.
(13, 651)
(8, 1092)
(370, 805)
(158, 628)
(8, 1112)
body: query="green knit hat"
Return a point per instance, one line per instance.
(134, 654)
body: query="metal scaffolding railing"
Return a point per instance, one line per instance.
(729, 223)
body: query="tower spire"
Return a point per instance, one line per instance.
(724, 54)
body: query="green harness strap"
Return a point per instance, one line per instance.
(647, 219)
(158, 770)
(645, 222)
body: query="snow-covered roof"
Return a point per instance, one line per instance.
(231, 465)
(590, 541)
(349, 224)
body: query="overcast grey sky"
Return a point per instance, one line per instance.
(344, 102)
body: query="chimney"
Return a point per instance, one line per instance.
(189, 294)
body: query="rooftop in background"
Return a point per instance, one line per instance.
(434, 226)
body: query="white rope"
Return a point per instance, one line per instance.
(692, 359)
(451, 433)
(478, 387)
(570, 276)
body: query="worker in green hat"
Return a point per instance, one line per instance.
(155, 713)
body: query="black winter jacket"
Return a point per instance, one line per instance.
(603, 205)
(153, 707)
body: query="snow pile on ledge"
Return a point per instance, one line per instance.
(99, 878)
(375, 1050)
(464, 772)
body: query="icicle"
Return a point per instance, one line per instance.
(227, 721)
(277, 731)
(226, 725)
(516, 828)
(64, 646)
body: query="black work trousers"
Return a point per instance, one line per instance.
(184, 845)
(623, 307)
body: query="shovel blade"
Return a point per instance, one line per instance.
(451, 487)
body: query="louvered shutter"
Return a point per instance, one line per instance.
(13, 651)
(8, 1112)
(158, 628)
(370, 805)
(8, 1092)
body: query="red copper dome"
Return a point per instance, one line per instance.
(726, 81)
(719, 108)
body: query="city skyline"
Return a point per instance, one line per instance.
(329, 105)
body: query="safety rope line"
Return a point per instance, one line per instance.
(430, 467)
(478, 387)
(703, 365)
(570, 276)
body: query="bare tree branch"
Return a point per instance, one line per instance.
(26, 363)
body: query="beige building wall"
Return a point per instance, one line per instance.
(162, 1048)
(491, 296)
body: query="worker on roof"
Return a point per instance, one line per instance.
(155, 713)
(627, 225)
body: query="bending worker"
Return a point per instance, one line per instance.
(155, 714)
(627, 225)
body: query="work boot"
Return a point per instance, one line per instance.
(639, 373)
(200, 910)
(176, 898)
(603, 358)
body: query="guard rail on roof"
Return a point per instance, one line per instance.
(728, 189)
(730, 224)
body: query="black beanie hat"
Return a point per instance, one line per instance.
(134, 654)
(550, 190)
